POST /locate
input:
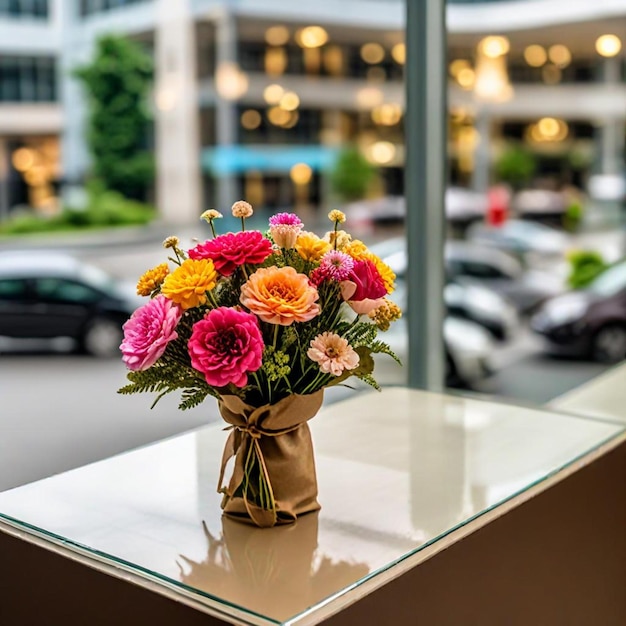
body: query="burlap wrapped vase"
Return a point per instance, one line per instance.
(273, 480)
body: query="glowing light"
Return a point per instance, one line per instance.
(372, 53)
(275, 61)
(466, 78)
(494, 46)
(277, 35)
(387, 114)
(289, 101)
(535, 55)
(398, 53)
(457, 66)
(292, 121)
(548, 126)
(369, 97)
(468, 137)
(608, 45)
(278, 116)
(23, 159)
(382, 152)
(492, 80)
(273, 93)
(231, 83)
(548, 129)
(560, 55)
(250, 119)
(301, 174)
(333, 60)
(311, 37)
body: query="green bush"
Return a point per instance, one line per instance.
(516, 166)
(585, 265)
(352, 174)
(573, 216)
(104, 209)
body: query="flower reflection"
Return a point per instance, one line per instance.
(277, 572)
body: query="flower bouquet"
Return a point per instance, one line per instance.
(263, 322)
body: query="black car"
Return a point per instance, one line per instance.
(590, 322)
(48, 295)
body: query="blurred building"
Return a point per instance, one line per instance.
(256, 99)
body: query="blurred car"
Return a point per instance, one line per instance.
(461, 205)
(468, 348)
(520, 237)
(46, 295)
(590, 322)
(539, 203)
(463, 300)
(470, 263)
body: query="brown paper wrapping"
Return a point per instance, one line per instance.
(273, 441)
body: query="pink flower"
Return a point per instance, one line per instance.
(148, 331)
(285, 228)
(232, 250)
(225, 346)
(336, 265)
(364, 289)
(333, 353)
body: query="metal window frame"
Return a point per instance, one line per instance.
(425, 176)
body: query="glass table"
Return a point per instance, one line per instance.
(400, 472)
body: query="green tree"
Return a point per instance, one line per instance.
(117, 82)
(516, 166)
(352, 174)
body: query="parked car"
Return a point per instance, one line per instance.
(590, 322)
(461, 206)
(540, 203)
(470, 263)
(473, 302)
(468, 349)
(46, 295)
(520, 237)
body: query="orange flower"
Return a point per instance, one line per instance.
(188, 284)
(279, 295)
(152, 280)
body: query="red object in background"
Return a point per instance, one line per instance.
(497, 206)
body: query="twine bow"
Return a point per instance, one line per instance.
(239, 435)
(248, 425)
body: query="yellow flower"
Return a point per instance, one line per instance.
(242, 209)
(386, 273)
(310, 247)
(385, 314)
(152, 280)
(337, 216)
(343, 239)
(188, 284)
(357, 250)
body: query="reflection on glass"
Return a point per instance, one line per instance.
(274, 572)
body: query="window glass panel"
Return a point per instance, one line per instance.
(58, 290)
(12, 289)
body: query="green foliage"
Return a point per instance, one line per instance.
(516, 166)
(573, 215)
(104, 209)
(585, 265)
(352, 174)
(118, 81)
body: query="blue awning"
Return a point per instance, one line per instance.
(223, 160)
